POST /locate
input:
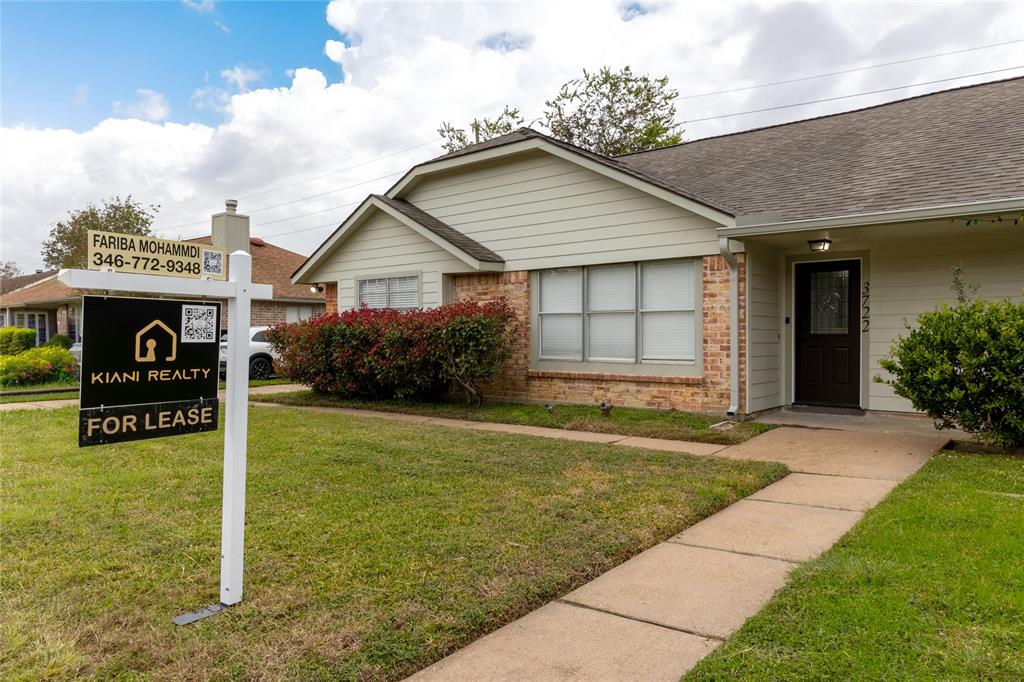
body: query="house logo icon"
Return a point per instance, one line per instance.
(149, 336)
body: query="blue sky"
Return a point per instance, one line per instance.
(64, 64)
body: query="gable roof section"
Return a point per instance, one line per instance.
(526, 139)
(469, 251)
(45, 290)
(273, 265)
(946, 148)
(11, 283)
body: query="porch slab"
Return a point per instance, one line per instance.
(837, 492)
(689, 447)
(564, 642)
(780, 531)
(821, 451)
(707, 592)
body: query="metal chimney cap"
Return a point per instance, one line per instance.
(231, 205)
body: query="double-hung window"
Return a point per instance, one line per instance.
(624, 313)
(401, 293)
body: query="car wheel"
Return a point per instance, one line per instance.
(260, 368)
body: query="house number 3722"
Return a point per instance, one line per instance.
(865, 307)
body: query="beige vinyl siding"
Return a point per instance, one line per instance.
(764, 340)
(910, 278)
(539, 211)
(383, 246)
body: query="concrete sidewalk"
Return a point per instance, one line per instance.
(54, 404)
(655, 616)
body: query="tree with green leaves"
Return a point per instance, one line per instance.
(67, 246)
(614, 113)
(480, 129)
(607, 112)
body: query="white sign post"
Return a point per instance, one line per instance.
(240, 292)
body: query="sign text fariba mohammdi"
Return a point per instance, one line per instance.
(149, 368)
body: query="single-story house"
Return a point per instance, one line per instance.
(43, 303)
(729, 274)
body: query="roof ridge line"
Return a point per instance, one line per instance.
(822, 116)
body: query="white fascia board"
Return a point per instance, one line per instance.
(429, 235)
(329, 244)
(858, 219)
(570, 156)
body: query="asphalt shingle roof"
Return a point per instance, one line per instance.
(955, 146)
(442, 230)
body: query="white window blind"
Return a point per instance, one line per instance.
(402, 293)
(668, 310)
(611, 306)
(634, 312)
(561, 314)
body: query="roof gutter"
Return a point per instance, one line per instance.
(734, 326)
(753, 225)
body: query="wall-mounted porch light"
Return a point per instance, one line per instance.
(316, 289)
(819, 245)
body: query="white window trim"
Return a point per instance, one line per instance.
(418, 274)
(37, 313)
(638, 365)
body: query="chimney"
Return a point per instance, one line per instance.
(230, 230)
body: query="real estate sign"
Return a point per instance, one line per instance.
(152, 256)
(149, 368)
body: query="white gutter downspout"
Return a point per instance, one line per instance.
(734, 326)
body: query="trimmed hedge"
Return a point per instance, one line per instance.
(60, 341)
(14, 340)
(41, 365)
(963, 365)
(384, 353)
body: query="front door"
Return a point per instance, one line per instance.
(827, 334)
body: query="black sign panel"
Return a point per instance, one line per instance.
(149, 368)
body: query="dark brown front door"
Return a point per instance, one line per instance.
(827, 333)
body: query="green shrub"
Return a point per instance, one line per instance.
(41, 365)
(963, 365)
(384, 353)
(14, 340)
(60, 341)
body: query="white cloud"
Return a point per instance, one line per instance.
(240, 77)
(204, 6)
(406, 67)
(150, 106)
(222, 27)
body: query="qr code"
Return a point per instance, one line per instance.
(198, 323)
(213, 263)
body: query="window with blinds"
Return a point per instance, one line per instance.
(632, 312)
(401, 293)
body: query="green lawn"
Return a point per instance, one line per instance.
(929, 586)
(373, 547)
(625, 420)
(10, 394)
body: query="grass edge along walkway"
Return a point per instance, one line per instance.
(929, 585)
(624, 421)
(390, 546)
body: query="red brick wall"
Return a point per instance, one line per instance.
(706, 393)
(331, 295)
(262, 313)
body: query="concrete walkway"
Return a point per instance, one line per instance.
(54, 404)
(655, 616)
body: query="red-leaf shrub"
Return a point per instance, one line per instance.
(383, 353)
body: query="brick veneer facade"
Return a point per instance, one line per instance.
(706, 393)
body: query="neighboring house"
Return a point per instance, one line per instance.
(51, 308)
(692, 277)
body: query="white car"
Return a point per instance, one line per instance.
(261, 355)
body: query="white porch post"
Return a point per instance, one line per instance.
(236, 425)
